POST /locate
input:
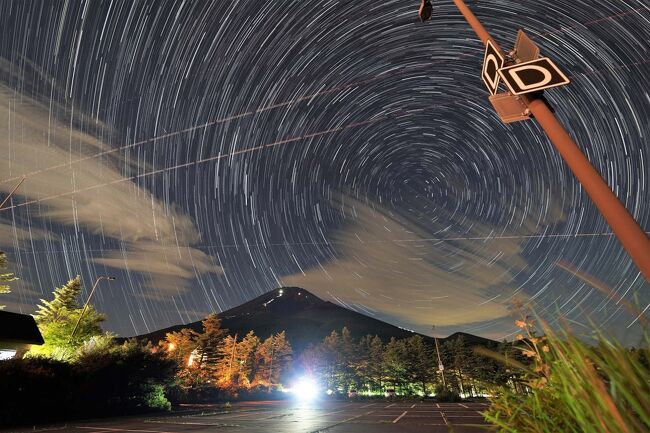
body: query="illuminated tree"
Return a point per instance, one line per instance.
(349, 362)
(56, 319)
(6, 277)
(181, 348)
(419, 362)
(273, 357)
(208, 350)
(330, 350)
(238, 366)
(460, 361)
(368, 368)
(248, 368)
(394, 365)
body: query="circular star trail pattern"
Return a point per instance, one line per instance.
(281, 131)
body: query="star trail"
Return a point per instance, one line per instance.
(205, 152)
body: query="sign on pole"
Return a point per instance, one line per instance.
(533, 76)
(510, 108)
(525, 49)
(492, 62)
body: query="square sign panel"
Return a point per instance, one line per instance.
(525, 48)
(492, 62)
(533, 76)
(510, 108)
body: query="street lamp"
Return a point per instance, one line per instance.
(441, 367)
(101, 277)
(627, 230)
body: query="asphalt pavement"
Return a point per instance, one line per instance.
(298, 417)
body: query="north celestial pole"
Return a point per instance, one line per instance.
(207, 152)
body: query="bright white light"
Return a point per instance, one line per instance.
(330, 392)
(7, 354)
(306, 388)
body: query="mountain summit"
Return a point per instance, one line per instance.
(303, 316)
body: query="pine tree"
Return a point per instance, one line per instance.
(227, 376)
(273, 356)
(208, 348)
(65, 300)
(332, 360)
(420, 365)
(181, 347)
(56, 320)
(6, 277)
(238, 366)
(248, 368)
(350, 359)
(394, 362)
(375, 370)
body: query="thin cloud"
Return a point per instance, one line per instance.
(157, 238)
(382, 265)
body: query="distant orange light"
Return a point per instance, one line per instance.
(171, 347)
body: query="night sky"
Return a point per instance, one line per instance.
(205, 152)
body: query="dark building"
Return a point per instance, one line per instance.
(18, 332)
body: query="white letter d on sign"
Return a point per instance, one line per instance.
(527, 84)
(490, 68)
(533, 76)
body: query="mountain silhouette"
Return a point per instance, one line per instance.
(305, 318)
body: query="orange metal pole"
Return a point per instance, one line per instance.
(627, 230)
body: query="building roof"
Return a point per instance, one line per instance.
(19, 328)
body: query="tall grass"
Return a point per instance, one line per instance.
(574, 386)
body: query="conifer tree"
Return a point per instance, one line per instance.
(350, 359)
(376, 371)
(56, 320)
(208, 348)
(228, 369)
(420, 365)
(394, 362)
(248, 367)
(332, 360)
(273, 357)
(181, 347)
(5, 277)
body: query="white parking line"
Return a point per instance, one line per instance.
(461, 404)
(399, 417)
(390, 405)
(331, 413)
(444, 418)
(437, 405)
(121, 429)
(368, 405)
(413, 406)
(247, 413)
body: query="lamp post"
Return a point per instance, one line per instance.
(101, 277)
(441, 367)
(627, 230)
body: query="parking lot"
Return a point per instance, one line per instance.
(294, 417)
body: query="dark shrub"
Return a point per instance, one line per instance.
(447, 395)
(121, 380)
(126, 379)
(35, 390)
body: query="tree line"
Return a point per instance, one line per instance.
(214, 359)
(410, 366)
